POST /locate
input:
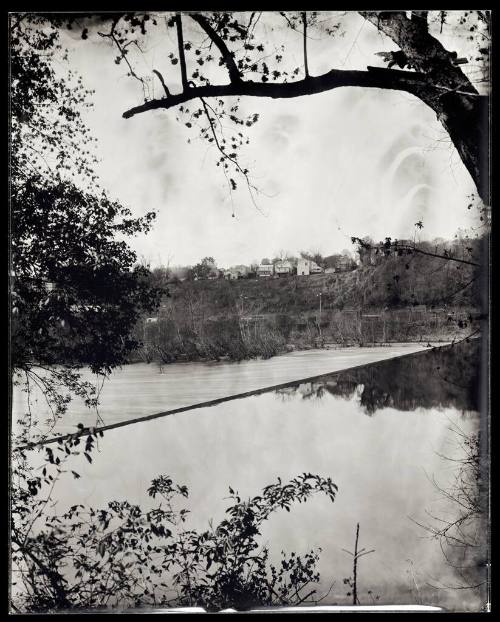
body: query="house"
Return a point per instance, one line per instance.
(314, 268)
(265, 270)
(282, 268)
(236, 272)
(308, 266)
(303, 266)
(330, 271)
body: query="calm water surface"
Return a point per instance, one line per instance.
(140, 389)
(377, 431)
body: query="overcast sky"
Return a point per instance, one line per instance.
(351, 161)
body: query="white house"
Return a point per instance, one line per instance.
(283, 267)
(307, 266)
(303, 266)
(265, 270)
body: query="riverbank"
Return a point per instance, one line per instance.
(235, 338)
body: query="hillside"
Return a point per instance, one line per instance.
(396, 283)
(417, 298)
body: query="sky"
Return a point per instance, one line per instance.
(348, 162)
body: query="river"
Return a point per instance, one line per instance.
(141, 389)
(382, 432)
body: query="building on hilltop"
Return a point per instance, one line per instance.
(306, 267)
(265, 270)
(314, 268)
(282, 268)
(236, 272)
(303, 266)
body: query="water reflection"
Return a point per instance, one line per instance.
(439, 378)
(384, 467)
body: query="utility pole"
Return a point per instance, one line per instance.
(319, 319)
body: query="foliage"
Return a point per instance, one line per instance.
(205, 268)
(76, 291)
(127, 556)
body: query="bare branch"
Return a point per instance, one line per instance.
(413, 249)
(160, 77)
(224, 154)
(447, 257)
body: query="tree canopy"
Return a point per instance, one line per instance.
(75, 287)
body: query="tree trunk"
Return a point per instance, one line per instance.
(466, 119)
(463, 112)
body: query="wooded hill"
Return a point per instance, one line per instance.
(397, 282)
(403, 298)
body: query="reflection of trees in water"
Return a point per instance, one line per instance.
(440, 378)
(458, 521)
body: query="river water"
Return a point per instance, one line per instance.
(141, 389)
(382, 433)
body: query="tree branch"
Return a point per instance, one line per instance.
(447, 257)
(424, 51)
(160, 77)
(182, 58)
(413, 249)
(304, 19)
(234, 72)
(409, 81)
(224, 154)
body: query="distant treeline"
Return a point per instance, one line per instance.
(180, 337)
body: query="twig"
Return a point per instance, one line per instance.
(160, 77)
